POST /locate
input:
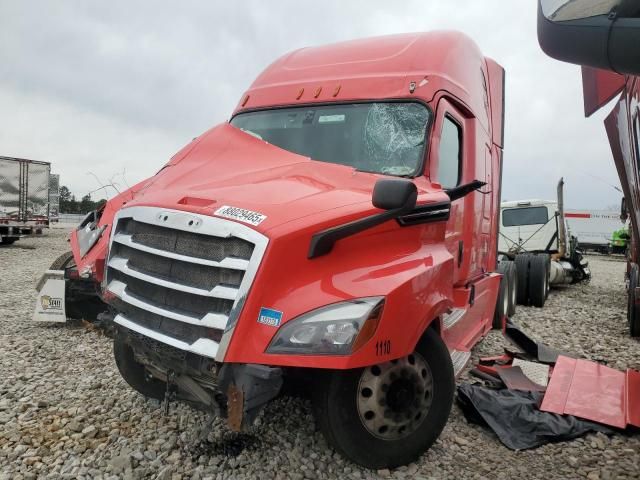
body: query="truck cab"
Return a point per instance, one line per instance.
(528, 225)
(341, 229)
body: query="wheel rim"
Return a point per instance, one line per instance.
(514, 291)
(394, 397)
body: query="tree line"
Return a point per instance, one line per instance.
(70, 204)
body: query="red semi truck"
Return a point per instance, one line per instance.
(598, 36)
(341, 228)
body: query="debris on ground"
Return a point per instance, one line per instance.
(528, 403)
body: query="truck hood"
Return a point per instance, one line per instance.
(228, 167)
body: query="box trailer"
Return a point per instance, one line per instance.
(24, 198)
(594, 229)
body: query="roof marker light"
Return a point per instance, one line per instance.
(317, 94)
(246, 99)
(337, 90)
(300, 94)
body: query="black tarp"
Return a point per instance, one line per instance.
(515, 417)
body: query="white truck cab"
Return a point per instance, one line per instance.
(528, 226)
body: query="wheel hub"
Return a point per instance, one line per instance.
(394, 397)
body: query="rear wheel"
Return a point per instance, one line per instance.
(547, 260)
(513, 288)
(8, 241)
(134, 373)
(388, 414)
(538, 280)
(522, 272)
(633, 310)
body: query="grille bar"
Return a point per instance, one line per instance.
(202, 346)
(228, 262)
(212, 320)
(122, 265)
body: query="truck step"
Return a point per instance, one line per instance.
(453, 317)
(459, 360)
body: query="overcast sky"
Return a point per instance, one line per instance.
(115, 88)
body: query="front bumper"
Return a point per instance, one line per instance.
(235, 391)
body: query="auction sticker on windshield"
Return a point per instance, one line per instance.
(241, 215)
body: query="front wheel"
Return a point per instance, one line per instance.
(388, 414)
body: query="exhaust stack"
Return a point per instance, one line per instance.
(562, 232)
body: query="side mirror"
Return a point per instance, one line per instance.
(595, 34)
(395, 194)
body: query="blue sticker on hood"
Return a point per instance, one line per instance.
(270, 317)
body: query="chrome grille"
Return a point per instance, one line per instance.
(181, 278)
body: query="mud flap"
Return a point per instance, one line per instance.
(248, 388)
(50, 303)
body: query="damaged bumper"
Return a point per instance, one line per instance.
(235, 391)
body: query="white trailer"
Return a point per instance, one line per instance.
(24, 198)
(594, 228)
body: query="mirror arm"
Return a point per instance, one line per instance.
(463, 190)
(322, 242)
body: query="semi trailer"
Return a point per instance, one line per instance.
(341, 229)
(24, 198)
(598, 230)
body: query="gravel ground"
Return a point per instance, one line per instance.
(66, 413)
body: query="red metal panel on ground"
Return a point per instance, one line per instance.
(594, 392)
(633, 398)
(555, 399)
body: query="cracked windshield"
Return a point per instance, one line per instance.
(387, 138)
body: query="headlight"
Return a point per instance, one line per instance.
(337, 329)
(89, 232)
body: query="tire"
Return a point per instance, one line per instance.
(63, 261)
(504, 297)
(8, 241)
(340, 398)
(547, 259)
(538, 280)
(513, 289)
(522, 273)
(134, 373)
(633, 311)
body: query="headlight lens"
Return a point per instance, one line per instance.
(89, 232)
(337, 329)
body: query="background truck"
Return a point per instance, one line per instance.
(24, 198)
(534, 234)
(597, 36)
(596, 230)
(340, 230)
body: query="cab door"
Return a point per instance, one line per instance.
(451, 163)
